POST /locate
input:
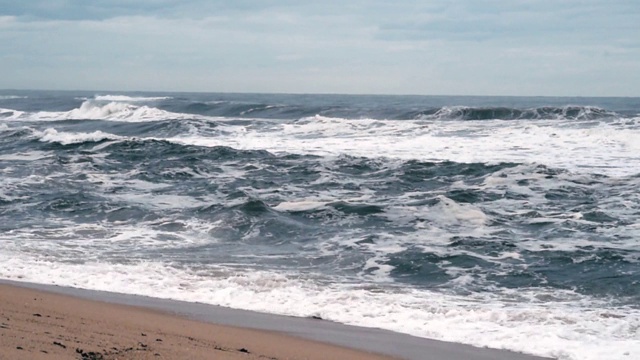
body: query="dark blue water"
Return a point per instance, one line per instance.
(499, 217)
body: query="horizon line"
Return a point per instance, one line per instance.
(317, 93)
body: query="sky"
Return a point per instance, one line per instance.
(427, 47)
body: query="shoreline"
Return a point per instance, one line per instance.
(297, 337)
(36, 324)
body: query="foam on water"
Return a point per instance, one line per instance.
(575, 327)
(491, 226)
(99, 110)
(302, 205)
(27, 156)
(8, 114)
(110, 111)
(601, 147)
(604, 147)
(65, 138)
(448, 211)
(567, 112)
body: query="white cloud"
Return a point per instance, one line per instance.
(462, 47)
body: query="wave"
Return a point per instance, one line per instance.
(505, 113)
(294, 112)
(97, 110)
(522, 325)
(244, 110)
(127, 108)
(11, 97)
(125, 98)
(65, 138)
(115, 111)
(9, 114)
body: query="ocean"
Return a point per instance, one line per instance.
(505, 222)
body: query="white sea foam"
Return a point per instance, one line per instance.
(116, 111)
(577, 328)
(9, 114)
(449, 211)
(67, 138)
(301, 205)
(570, 112)
(99, 110)
(26, 156)
(594, 147)
(608, 148)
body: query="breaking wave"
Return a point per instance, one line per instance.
(504, 113)
(97, 110)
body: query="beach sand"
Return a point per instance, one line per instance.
(36, 324)
(53, 322)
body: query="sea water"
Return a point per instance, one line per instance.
(507, 222)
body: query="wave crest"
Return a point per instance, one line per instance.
(96, 110)
(66, 138)
(504, 113)
(125, 98)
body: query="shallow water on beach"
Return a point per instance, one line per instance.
(504, 222)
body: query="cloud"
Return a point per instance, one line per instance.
(538, 22)
(445, 47)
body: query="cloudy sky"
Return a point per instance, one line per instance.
(461, 47)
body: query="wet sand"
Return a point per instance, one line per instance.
(50, 322)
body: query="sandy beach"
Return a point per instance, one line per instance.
(36, 324)
(52, 322)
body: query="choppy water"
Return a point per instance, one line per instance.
(504, 222)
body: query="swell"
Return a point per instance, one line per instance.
(155, 110)
(281, 111)
(505, 113)
(422, 223)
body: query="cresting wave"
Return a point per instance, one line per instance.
(604, 147)
(502, 113)
(98, 110)
(118, 111)
(279, 111)
(52, 135)
(123, 108)
(126, 98)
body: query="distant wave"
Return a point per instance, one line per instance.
(11, 97)
(97, 110)
(125, 108)
(290, 112)
(125, 98)
(9, 114)
(505, 113)
(114, 111)
(65, 138)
